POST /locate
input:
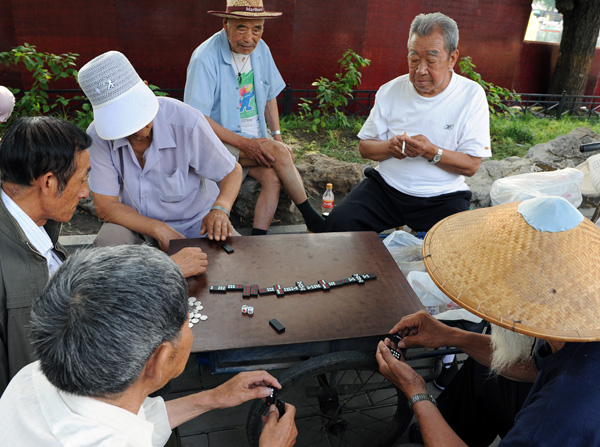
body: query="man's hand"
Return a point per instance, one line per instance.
(402, 146)
(164, 234)
(244, 387)
(216, 225)
(254, 151)
(395, 147)
(279, 432)
(399, 373)
(421, 329)
(420, 146)
(191, 260)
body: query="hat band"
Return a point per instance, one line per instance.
(245, 8)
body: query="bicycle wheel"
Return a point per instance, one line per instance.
(341, 399)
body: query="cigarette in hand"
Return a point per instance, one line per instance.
(403, 143)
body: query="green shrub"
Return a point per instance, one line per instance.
(44, 68)
(495, 94)
(333, 95)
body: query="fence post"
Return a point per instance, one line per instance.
(561, 104)
(287, 100)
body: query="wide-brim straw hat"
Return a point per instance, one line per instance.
(123, 104)
(245, 9)
(531, 267)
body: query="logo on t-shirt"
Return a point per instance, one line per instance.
(248, 96)
(449, 127)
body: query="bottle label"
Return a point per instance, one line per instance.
(327, 204)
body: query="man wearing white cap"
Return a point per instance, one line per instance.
(232, 79)
(155, 162)
(531, 269)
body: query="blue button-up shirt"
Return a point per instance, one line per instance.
(178, 183)
(212, 86)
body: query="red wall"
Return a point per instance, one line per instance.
(159, 36)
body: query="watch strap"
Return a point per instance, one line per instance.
(418, 398)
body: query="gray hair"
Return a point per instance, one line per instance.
(103, 314)
(425, 24)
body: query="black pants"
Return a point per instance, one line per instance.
(373, 205)
(479, 407)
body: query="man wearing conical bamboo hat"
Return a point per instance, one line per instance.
(530, 269)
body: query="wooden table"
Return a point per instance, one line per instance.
(346, 313)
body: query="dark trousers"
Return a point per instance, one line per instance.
(480, 407)
(373, 205)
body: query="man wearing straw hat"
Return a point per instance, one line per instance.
(530, 269)
(155, 163)
(233, 80)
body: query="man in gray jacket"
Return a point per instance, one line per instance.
(44, 165)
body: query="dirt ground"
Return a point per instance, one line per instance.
(82, 222)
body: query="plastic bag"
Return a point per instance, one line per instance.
(408, 258)
(435, 301)
(402, 239)
(563, 183)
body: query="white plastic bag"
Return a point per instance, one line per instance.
(409, 258)
(401, 238)
(435, 301)
(563, 183)
(406, 250)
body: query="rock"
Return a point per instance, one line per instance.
(491, 170)
(316, 171)
(563, 151)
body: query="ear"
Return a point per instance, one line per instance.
(155, 368)
(453, 58)
(225, 24)
(47, 184)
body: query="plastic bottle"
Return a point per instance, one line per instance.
(327, 203)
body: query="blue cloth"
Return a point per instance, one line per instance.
(563, 407)
(551, 214)
(212, 87)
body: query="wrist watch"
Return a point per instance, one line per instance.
(437, 157)
(418, 398)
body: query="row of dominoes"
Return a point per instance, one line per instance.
(253, 290)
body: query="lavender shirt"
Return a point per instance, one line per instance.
(178, 184)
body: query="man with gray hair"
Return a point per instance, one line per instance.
(428, 130)
(529, 268)
(110, 328)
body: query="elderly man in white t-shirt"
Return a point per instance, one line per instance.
(428, 129)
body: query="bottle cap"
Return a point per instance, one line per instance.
(330, 185)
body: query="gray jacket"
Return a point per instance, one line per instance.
(23, 275)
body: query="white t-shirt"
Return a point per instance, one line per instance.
(33, 412)
(242, 66)
(457, 119)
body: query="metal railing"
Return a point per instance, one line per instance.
(538, 104)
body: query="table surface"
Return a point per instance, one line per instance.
(345, 312)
